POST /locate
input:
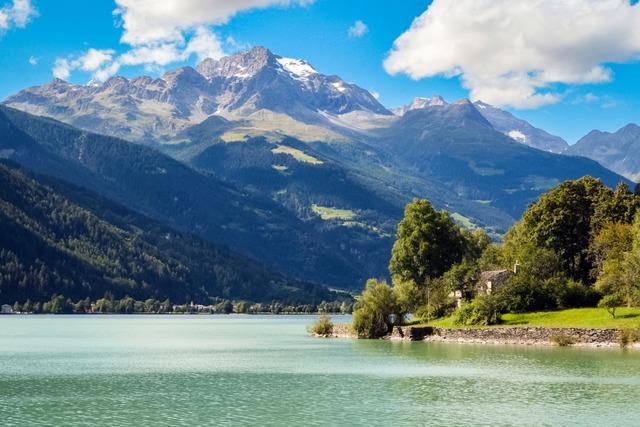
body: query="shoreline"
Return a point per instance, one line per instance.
(503, 335)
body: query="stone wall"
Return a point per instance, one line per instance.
(510, 335)
(499, 335)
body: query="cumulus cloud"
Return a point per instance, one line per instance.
(358, 29)
(160, 33)
(151, 21)
(62, 69)
(16, 14)
(513, 52)
(99, 62)
(33, 60)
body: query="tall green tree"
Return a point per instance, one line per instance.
(619, 279)
(566, 219)
(428, 243)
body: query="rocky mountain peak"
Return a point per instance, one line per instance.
(241, 65)
(184, 75)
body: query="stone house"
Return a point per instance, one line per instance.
(488, 282)
(492, 280)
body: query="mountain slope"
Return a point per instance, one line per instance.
(458, 147)
(521, 130)
(618, 151)
(517, 129)
(56, 238)
(158, 186)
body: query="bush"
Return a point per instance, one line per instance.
(322, 327)
(628, 336)
(369, 324)
(376, 311)
(484, 310)
(562, 340)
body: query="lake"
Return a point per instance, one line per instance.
(266, 370)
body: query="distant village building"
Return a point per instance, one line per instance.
(6, 309)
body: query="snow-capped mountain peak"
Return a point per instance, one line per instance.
(298, 68)
(234, 87)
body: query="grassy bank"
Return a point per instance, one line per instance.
(574, 318)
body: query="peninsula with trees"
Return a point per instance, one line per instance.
(570, 264)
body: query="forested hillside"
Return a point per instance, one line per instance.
(56, 238)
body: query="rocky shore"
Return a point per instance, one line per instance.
(582, 337)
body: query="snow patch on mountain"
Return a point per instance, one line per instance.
(517, 135)
(297, 67)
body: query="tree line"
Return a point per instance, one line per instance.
(577, 246)
(58, 304)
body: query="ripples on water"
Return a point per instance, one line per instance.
(265, 370)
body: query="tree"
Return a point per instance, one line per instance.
(566, 219)
(126, 305)
(28, 306)
(610, 303)
(428, 243)
(241, 307)
(619, 277)
(613, 240)
(17, 308)
(637, 190)
(408, 296)
(376, 311)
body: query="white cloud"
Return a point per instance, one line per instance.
(204, 44)
(375, 94)
(358, 29)
(16, 14)
(33, 60)
(160, 33)
(94, 59)
(151, 21)
(511, 53)
(159, 55)
(99, 62)
(62, 69)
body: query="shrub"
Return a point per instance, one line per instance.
(322, 327)
(562, 340)
(376, 311)
(628, 336)
(484, 310)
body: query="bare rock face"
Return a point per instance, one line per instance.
(147, 109)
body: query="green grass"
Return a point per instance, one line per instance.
(299, 155)
(328, 213)
(573, 318)
(463, 220)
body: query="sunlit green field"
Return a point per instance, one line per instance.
(573, 318)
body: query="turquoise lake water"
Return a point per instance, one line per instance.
(266, 370)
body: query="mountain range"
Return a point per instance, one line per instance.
(619, 151)
(301, 171)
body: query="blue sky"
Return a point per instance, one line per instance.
(594, 91)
